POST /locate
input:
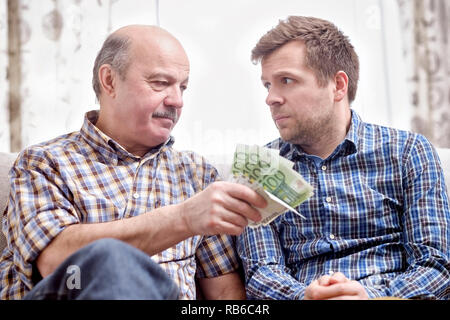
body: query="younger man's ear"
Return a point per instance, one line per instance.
(341, 85)
(107, 79)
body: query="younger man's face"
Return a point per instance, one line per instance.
(300, 107)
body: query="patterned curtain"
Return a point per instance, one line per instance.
(426, 28)
(59, 40)
(4, 114)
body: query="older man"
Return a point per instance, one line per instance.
(113, 211)
(379, 221)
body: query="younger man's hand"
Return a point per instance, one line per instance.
(335, 287)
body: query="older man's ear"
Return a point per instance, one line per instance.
(107, 79)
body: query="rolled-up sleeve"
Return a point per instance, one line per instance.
(38, 208)
(216, 256)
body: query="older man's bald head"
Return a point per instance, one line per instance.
(118, 48)
(139, 30)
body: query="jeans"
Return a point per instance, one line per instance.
(106, 269)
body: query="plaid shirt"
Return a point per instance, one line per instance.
(379, 215)
(86, 177)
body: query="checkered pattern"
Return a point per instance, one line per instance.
(379, 214)
(85, 177)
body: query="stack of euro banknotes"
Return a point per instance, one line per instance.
(273, 177)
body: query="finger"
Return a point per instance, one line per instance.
(324, 280)
(336, 290)
(338, 277)
(311, 290)
(226, 227)
(242, 208)
(346, 297)
(245, 193)
(235, 218)
(226, 221)
(354, 291)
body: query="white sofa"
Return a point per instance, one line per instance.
(222, 163)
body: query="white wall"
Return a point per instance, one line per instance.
(224, 103)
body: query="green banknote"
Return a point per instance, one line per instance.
(272, 176)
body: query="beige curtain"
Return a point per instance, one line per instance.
(426, 28)
(59, 40)
(4, 114)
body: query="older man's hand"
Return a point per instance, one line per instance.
(222, 208)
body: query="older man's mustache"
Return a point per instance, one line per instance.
(168, 114)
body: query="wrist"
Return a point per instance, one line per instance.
(182, 216)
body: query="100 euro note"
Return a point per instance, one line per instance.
(272, 177)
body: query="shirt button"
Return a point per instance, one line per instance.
(324, 168)
(136, 195)
(331, 272)
(328, 199)
(332, 236)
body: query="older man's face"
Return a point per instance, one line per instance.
(149, 99)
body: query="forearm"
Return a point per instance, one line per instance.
(225, 287)
(151, 232)
(273, 282)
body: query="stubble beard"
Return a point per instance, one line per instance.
(309, 131)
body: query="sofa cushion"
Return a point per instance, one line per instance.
(6, 160)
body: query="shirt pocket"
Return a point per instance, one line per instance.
(370, 212)
(95, 207)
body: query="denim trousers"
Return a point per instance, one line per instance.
(106, 269)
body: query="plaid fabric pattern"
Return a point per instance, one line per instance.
(379, 214)
(86, 177)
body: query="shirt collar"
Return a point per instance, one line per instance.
(348, 146)
(354, 132)
(110, 149)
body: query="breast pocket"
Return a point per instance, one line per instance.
(370, 211)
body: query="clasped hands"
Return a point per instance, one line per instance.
(335, 287)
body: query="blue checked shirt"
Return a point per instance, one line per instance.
(86, 177)
(379, 215)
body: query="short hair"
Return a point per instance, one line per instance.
(115, 52)
(328, 50)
